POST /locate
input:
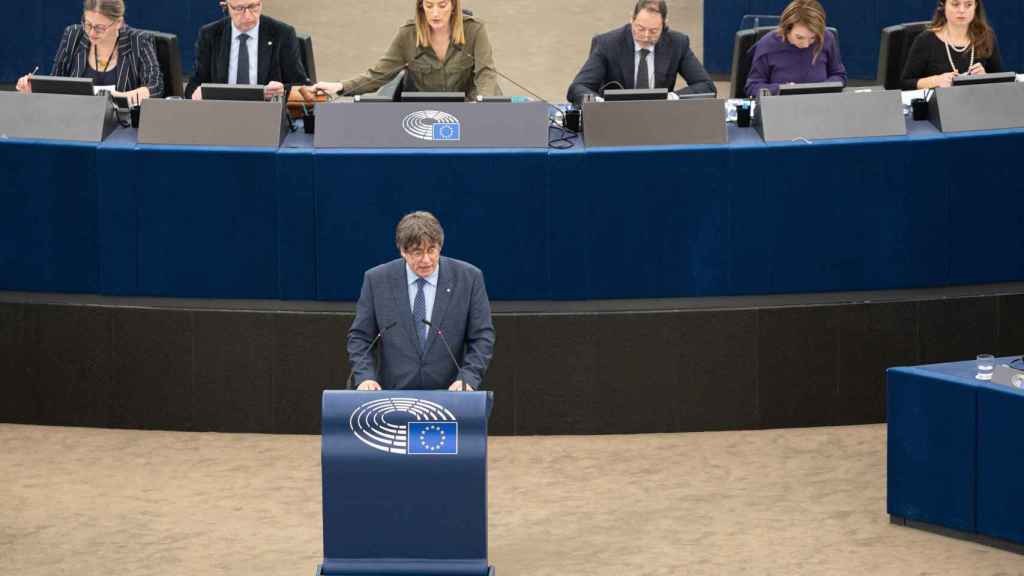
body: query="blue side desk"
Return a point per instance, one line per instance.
(956, 450)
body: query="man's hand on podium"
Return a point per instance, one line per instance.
(368, 385)
(457, 386)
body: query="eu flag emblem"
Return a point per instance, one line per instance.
(433, 437)
(447, 131)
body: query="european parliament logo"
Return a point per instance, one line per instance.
(406, 426)
(433, 126)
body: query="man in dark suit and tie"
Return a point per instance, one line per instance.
(247, 48)
(412, 305)
(641, 54)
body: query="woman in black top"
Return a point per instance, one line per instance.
(103, 48)
(959, 41)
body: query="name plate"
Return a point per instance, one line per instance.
(212, 123)
(654, 123)
(56, 117)
(828, 116)
(431, 125)
(982, 107)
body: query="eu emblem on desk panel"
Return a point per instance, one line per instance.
(405, 482)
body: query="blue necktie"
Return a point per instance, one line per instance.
(419, 312)
(243, 60)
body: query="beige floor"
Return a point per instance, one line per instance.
(810, 501)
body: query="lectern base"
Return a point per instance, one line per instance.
(320, 571)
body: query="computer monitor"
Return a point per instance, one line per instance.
(993, 78)
(62, 85)
(433, 96)
(237, 92)
(697, 96)
(811, 88)
(636, 94)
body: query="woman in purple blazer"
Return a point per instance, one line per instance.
(801, 51)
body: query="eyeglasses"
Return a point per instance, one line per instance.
(641, 31)
(253, 8)
(97, 28)
(419, 253)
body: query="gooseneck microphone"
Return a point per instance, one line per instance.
(450, 353)
(369, 350)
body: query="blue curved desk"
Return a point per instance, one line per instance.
(924, 210)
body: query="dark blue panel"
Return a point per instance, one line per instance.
(48, 229)
(492, 205)
(207, 223)
(1000, 467)
(649, 223)
(118, 224)
(931, 448)
(721, 21)
(985, 222)
(296, 242)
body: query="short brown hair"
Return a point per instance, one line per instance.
(113, 9)
(809, 13)
(456, 26)
(418, 229)
(659, 6)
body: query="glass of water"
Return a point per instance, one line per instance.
(985, 364)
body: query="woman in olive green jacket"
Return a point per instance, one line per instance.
(443, 51)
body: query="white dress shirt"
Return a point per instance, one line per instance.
(254, 51)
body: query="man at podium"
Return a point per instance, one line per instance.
(247, 48)
(641, 54)
(429, 315)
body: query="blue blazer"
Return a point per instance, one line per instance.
(461, 310)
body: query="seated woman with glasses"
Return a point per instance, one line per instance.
(443, 50)
(105, 49)
(800, 51)
(958, 41)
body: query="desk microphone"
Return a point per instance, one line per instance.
(352, 372)
(450, 354)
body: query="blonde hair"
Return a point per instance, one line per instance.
(809, 13)
(113, 9)
(455, 24)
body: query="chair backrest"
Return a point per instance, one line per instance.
(893, 51)
(169, 57)
(306, 53)
(743, 56)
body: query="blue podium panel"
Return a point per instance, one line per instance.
(48, 224)
(1000, 497)
(405, 483)
(932, 417)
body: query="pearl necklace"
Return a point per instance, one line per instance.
(958, 50)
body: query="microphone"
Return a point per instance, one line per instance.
(449, 349)
(527, 90)
(352, 372)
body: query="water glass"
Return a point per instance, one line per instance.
(985, 363)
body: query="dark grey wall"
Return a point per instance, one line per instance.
(584, 371)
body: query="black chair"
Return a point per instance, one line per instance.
(743, 56)
(169, 57)
(893, 52)
(306, 53)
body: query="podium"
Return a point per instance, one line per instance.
(405, 483)
(212, 123)
(981, 107)
(431, 125)
(827, 116)
(56, 117)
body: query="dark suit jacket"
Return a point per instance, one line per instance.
(612, 59)
(137, 65)
(461, 310)
(279, 58)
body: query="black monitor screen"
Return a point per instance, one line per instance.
(61, 85)
(243, 93)
(994, 78)
(813, 88)
(433, 96)
(636, 94)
